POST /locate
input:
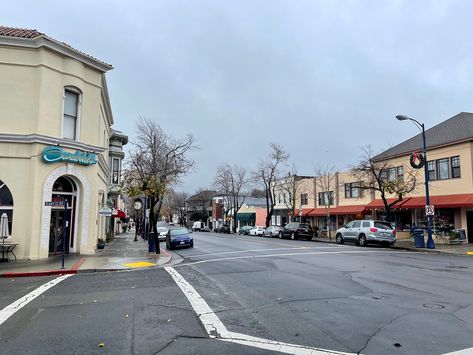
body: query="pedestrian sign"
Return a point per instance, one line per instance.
(429, 210)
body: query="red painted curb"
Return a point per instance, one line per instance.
(38, 273)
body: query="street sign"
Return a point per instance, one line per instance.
(54, 203)
(429, 210)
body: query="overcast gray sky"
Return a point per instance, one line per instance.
(322, 78)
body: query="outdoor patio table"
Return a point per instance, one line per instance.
(6, 249)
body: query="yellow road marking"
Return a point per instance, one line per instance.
(139, 264)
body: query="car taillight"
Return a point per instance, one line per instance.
(373, 229)
(394, 231)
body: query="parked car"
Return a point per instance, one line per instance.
(245, 230)
(225, 228)
(179, 237)
(364, 232)
(296, 230)
(257, 231)
(272, 231)
(199, 227)
(162, 229)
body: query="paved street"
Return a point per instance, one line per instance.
(305, 295)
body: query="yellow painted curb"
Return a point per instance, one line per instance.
(469, 252)
(139, 264)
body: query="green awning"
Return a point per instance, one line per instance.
(246, 216)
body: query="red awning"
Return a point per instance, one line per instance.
(119, 214)
(378, 203)
(447, 201)
(340, 210)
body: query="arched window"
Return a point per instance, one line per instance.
(6, 204)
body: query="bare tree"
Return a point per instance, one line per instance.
(325, 185)
(156, 162)
(267, 173)
(381, 176)
(231, 182)
(177, 204)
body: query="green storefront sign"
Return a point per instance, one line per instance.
(57, 154)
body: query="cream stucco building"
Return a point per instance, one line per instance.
(55, 125)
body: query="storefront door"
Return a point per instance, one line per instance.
(56, 232)
(469, 225)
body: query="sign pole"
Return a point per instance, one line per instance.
(64, 224)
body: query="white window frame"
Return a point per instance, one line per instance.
(79, 110)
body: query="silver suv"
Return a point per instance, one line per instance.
(366, 231)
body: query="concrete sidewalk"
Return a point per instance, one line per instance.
(407, 244)
(121, 254)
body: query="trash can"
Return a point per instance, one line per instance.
(152, 242)
(419, 238)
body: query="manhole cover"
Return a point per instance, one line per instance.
(377, 297)
(433, 306)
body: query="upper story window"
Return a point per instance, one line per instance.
(445, 168)
(326, 198)
(71, 114)
(392, 174)
(352, 190)
(115, 171)
(304, 199)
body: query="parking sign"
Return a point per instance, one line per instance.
(429, 210)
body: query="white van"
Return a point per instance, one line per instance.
(198, 227)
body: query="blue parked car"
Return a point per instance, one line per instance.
(179, 237)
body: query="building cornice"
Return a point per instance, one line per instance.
(47, 140)
(56, 46)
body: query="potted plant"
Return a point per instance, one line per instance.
(100, 243)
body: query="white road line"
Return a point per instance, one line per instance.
(14, 307)
(288, 254)
(461, 352)
(215, 328)
(252, 250)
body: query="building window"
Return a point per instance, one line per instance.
(352, 190)
(115, 171)
(431, 170)
(392, 174)
(456, 167)
(400, 173)
(304, 199)
(71, 113)
(326, 198)
(284, 197)
(6, 208)
(443, 169)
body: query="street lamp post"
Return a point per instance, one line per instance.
(430, 241)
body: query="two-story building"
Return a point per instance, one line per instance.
(55, 126)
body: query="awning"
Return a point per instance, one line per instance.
(379, 204)
(245, 217)
(340, 210)
(447, 201)
(119, 213)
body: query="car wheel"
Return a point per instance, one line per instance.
(293, 236)
(168, 246)
(191, 245)
(280, 235)
(339, 238)
(362, 240)
(308, 238)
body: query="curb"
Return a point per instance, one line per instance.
(79, 271)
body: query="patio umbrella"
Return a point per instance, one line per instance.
(4, 226)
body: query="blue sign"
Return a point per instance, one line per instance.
(57, 154)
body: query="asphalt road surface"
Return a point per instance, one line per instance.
(250, 295)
